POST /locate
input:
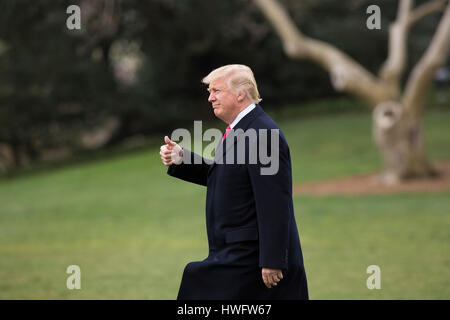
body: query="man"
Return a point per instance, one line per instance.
(254, 247)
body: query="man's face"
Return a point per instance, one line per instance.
(224, 102)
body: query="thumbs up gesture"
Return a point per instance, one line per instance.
(171, 152)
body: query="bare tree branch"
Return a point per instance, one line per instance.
(290, 35)
(346, 74)
(425, 9)
(394, 66)
(422, 74)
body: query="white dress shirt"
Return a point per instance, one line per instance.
(242, 114)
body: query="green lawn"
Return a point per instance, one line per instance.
(131, 228)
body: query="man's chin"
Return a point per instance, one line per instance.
(218, 114)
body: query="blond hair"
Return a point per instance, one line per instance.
(239, 77)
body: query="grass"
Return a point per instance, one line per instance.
(131, 228)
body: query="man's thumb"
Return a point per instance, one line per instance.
(168, 141)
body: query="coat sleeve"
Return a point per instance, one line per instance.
(193, 168)
(272, 190)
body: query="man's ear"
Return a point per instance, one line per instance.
(241, 96)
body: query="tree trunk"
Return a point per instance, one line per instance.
(399, 137)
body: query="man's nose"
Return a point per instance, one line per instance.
(211, 97)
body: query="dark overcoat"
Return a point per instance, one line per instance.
(250, 219)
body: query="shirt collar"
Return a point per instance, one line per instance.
(242, 114)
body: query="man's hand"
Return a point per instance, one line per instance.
(170, 152)
(271, 277)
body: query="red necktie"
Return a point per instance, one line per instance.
(226, 132)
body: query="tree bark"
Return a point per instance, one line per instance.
(399, 138)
